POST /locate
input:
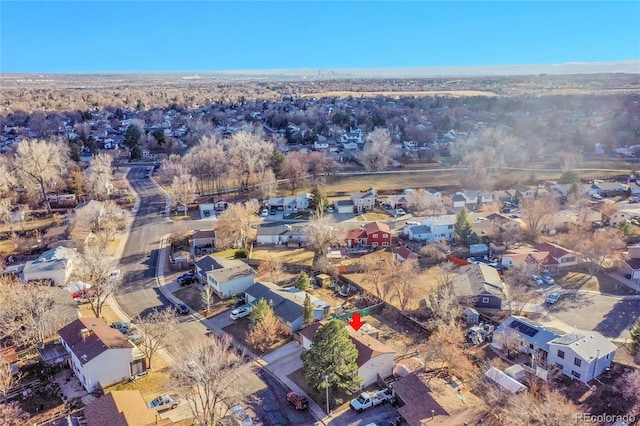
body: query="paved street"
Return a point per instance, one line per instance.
(610, 316)
(139, 294)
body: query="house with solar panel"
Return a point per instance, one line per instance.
(530, 338)
(581, 355)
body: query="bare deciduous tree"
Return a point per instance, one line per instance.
(595, 248)
(265, 332)
(295, 170)
(378, 152)
(7, 377)
(442, 302)
(445, 345)
(322, 234)
(170, 168)
(40, 162)
(521, 290)
(401, 275)
(233, 227)
(183, 188)
(249, 157)
(374, 273)
(99, 175)
(96, 271)
(536, 213)
(12, 414)
(7, 179)
(156, 330)
(207, 296)
(207, 375)
(103, 221)
(270, 269)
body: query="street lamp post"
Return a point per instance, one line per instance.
(326, 381)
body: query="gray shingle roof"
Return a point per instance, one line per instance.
(287, 303)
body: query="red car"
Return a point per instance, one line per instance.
(299, 401)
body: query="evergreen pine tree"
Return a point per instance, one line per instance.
(463, 228)
(318, 201)
(260, 310)
(333, 354)
(308, 311)
(302, 281)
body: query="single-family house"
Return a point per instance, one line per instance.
(459, 200)
(121, 408)
(482, 284)
(203, 239)
(608, 189)
(364, 201)
(403, 253)
(442, 227)
(291, 234)
(353, 136)
(477, 198)
(549, 257)
(100, 356)
(320, 144)
(418, 232)
(287, 303)
(378, 234)
(522, 335)
(525, 193)
(289, 204)
(582, 355)
(374, 357)
(373, 234)
(55, 264)
(227, 277)
(631, 267)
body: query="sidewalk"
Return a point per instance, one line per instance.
(277, 368)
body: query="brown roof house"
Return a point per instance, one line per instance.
(121, 408)
(374, 357)
(100, 356)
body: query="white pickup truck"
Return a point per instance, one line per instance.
(164, 402)
(371, 399)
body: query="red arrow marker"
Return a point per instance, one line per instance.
(355, 322)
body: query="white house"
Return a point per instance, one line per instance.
(442, 227)
(418, 232)
(280, 233)
(289, 204)
(364, 201)
(583, 355)
(227, 277)
(374, 357)
(100, 355)
(55, 265)
(321, 144)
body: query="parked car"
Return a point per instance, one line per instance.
(330, 209)
(553, 298)
(241, 312)
(164, 402)
(265, 212)
(299, 401)
(547, 280)
(538, 279)
(241, 415)
(628, 276)
(182, 309)
(371, 399)
(634, 200)
(400, 212)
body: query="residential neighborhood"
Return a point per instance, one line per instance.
(303, 253)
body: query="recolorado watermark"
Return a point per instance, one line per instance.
(604, 418)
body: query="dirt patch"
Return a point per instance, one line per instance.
(300, 256)
(191, 295)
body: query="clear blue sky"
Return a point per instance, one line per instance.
(94, 36)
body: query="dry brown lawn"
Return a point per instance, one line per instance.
(422, 285)
(372, 216)
(300, 256)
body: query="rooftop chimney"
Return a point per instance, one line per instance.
(85, 332)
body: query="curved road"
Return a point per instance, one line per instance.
(139, 293)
